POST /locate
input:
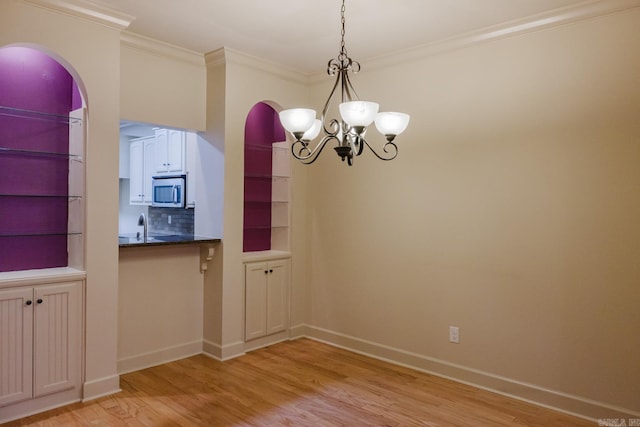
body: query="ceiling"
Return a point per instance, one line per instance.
(305, 34)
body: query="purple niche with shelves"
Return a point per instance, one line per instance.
(34, 164)
(262, 129)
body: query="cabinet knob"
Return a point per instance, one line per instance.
(270, 271)
(265, 272)
(39, 300)
(29, 302)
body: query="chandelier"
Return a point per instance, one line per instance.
(356, 115)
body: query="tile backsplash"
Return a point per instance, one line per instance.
(181, 220)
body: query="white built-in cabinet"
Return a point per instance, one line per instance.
(266, 297)
(40, 340)
(142, 152)
(170, 152)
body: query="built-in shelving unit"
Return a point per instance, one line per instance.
(266, 199)
(42, 189)
(267, 182)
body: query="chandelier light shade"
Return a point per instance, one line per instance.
(348, 133)
(358, 113)
(297, 120)
(392, 123)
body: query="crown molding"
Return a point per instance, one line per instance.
(554, 18)
(86, 10)
(215, 58)
(156, 47)
(226, 55)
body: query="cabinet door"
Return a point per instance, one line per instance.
(175, 152)
(255, 300)
(16, 336)
(136, 173)
(57, 337)
(277, 296)
(148, 170)
(162, 144)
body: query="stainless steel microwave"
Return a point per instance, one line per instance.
(168, 191)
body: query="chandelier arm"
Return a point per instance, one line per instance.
(356, 144)
(355, 147)
(333, 126)
(351, 93)
(394, 152)
(313, 154)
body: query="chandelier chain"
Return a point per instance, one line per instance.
(343, 48)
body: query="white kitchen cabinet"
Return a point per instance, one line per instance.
(170, 152)
(266, 298)
(142, 152)
(40, 340)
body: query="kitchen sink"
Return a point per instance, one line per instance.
(132, 238)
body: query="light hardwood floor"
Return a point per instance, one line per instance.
(297, 383)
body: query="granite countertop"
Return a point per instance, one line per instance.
(157, 239)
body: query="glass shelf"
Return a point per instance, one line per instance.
(71, 233)
(43, 196)
(34, 153)
(257, 227)
(37, 115)
(266, 177)
(264, 202)
(262, 147)
(264, 227)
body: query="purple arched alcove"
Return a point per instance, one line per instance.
(262, 129)
(35, 90)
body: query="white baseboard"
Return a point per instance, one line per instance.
(563, 402)
(298, 331)
(158, 357)
(100, 387)
(266, 341)
(223, 352)
(34, 406)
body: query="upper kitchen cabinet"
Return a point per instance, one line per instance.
(142, 167)
(154, 151)
(170, 152)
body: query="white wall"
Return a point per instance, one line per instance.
(159, 305)
(242, 81)
(162, 84)
(511, 211)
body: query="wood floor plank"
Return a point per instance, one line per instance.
(297, 383)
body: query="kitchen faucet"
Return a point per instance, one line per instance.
(142, 220)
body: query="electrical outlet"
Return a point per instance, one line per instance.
(454, 334)
(169, 219)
